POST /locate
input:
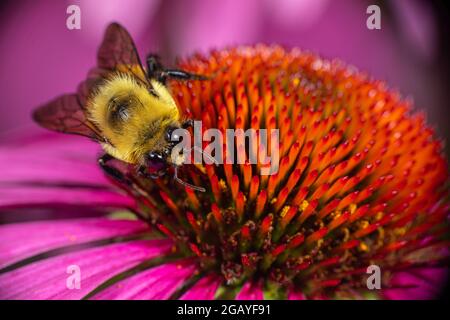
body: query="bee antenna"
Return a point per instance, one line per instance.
(210, 157)
(186, 184)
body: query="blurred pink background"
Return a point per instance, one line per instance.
(40, 58)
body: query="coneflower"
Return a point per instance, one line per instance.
(361, 181)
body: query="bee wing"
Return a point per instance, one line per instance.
(94, 78)
(65, 114)
(118, 52)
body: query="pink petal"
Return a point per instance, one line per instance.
(51, 145)
(47, 279)
(51, 158)
(296, 295)
(153, 284)
(21, 240)
(425, 284)
(28, 196)
(251, 291)
(204, 289)
(49, 169)
(55, 169)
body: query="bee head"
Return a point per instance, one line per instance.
(159, 159)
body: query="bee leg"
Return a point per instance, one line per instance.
(142, 171)
(111, 171)
(157, 71)
(154, 65)
(180, 75)
(188, 123)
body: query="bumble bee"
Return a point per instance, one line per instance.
(128, 110)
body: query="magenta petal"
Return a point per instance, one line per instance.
(47, 279)
(51, 145)
(26, 196)
(59, 169)
(251, 291)
(296, 295)
(424, 284)
(22, 240)
(50, 170)
(51, 158)
(204, 289)
(157, 283)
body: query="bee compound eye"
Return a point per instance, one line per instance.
(172, 136)
(155, 156)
